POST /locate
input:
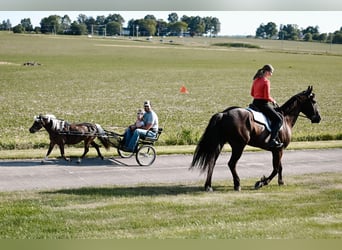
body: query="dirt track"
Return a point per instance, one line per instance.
(57, 174)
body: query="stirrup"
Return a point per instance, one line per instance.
(275, 144)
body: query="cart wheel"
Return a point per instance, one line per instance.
(146, 155)
(124, 154)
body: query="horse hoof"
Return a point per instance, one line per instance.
(79, 161)
(258, 185)
(281, 183)
(209, 189)
(238, 188)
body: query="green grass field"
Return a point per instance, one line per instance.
(106, 80)
(309, 207)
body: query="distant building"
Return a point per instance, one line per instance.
(125, 32)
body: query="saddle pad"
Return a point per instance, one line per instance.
(260, 118)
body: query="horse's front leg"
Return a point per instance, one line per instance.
(48, 152)
(277, 169)
(279, 156)
(280, 175)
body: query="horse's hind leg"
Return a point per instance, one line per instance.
(207, 185)
(86, 149)
(61, 149)
(96, 146)
(236, 154)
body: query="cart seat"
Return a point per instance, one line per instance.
(151, 140)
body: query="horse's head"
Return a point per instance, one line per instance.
(40, 121)
(309, 105)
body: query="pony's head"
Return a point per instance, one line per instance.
(309, 105)
(40, 121)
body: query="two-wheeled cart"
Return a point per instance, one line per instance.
(145, 153)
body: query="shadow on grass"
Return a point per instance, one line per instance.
(171, 190)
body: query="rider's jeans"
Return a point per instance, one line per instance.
(134, 138)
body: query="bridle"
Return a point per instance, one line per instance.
(304, 116)
(301, 115)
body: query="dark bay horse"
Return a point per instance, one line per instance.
(62, 132)
(237, 127)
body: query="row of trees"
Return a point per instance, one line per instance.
(293, 32)
(150, 26)
(113, 25)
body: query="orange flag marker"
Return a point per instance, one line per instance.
(184, 90)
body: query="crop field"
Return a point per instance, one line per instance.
(106, 80)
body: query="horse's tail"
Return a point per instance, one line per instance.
(103, 137)
(210, 144)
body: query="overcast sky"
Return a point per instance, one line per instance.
(232, 22)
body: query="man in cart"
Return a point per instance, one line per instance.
(149, 130)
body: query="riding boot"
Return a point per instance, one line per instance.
(274, 143)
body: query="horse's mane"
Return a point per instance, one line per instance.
(288, 106)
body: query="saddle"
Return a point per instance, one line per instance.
(259, 117)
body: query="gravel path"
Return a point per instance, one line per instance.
(57, 174)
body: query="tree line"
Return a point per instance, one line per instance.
(113, 25)
(293, 32)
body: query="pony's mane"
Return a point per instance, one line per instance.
(47, 116)
(57, 124)
(50, 116)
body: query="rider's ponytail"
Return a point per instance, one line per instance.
(259, 73)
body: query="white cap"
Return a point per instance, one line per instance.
(147, 103)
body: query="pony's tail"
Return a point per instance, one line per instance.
(210, 144)
(103, 137)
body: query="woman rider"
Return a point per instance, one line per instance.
(261, 92)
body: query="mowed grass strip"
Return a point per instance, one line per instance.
(308, 207)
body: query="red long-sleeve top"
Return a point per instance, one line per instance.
(261, 89)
